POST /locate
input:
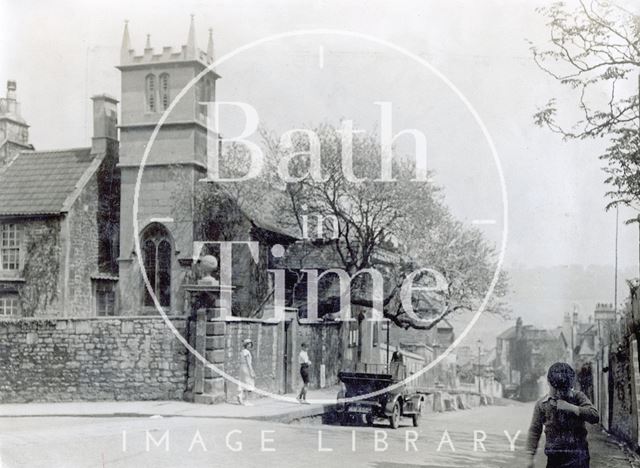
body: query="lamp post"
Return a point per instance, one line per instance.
(479, 342)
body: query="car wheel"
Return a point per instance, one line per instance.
(394, 419)
(369, 419)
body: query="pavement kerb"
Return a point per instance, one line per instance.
(280, 417)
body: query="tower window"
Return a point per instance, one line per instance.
(156, 251)
(151, 93)
(165, 98)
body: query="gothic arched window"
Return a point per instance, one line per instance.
(165, 99)
(150, 92)
(156, 253)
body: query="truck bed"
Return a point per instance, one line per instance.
(358, 383)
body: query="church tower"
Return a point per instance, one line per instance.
(176, 162)
(14, 131)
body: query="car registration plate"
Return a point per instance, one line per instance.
(359, 409)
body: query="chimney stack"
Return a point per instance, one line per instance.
(11, 90)
(105, 121)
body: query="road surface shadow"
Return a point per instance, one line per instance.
(461, 460)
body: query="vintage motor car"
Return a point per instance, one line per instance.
(403, 401)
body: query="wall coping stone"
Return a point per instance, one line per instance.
(94, 319)
(303, 321)
(244, 319)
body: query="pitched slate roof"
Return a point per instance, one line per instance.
(586, 348)
(263, 217)
(508, 334)
(43, 182)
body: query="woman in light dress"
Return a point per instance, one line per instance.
(247, 375)
(305, 362)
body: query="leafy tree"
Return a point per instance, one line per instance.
(395, 227)
(406, 218)
(463, 257)
(592, 48)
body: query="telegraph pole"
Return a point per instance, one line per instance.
(479, 373)
(615, 281)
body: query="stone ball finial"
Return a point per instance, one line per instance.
(208, 264)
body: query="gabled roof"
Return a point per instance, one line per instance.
(586, 349)
(584, 328)
(508, 334)
(262, 216)
(559, 334)
(45, 182)
(444, 324)
(263, 221)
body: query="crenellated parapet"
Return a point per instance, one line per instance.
(186, 52)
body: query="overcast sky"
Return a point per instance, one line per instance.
(62, 52)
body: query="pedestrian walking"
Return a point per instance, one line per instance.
(396, 367)
(562, 414)
(247, 375)
(305, 362)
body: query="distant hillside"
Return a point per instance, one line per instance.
(542, 295)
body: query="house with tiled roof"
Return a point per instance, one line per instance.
(523, 355)
(59, 222)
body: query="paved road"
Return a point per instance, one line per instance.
(442, 440)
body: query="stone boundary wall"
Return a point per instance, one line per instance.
(276, 345)
(325, 350)
(617, 376)
(69, 359)
(220, 342)
(267, 353)
(622, 412)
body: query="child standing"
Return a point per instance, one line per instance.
(562, 413)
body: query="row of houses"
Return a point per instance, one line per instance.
(524, 352)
